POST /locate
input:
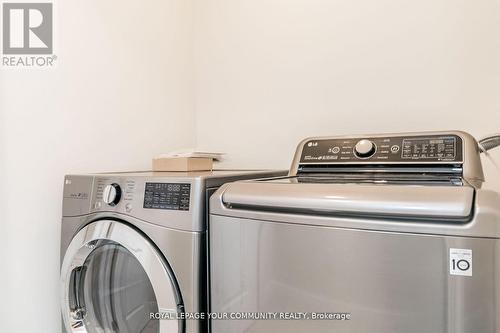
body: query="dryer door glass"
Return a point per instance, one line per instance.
(116, 293)
(114, 280)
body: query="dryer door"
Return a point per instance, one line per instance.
(113, 279)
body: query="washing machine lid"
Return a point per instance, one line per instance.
(439, 202)
(114, 279)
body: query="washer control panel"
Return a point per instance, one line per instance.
(421, 149)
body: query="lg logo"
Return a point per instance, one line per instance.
(27, 28)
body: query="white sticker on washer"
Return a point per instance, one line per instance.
(461, 262)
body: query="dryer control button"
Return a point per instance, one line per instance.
(112, 194)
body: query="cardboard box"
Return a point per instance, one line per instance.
(182, 164)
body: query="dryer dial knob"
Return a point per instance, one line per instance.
(364, 148)
(112, 194)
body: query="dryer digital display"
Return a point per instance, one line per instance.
(172, 196)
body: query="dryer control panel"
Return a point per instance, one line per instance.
(176, 200)
(122, 193)
(429, 148)
(174, 196)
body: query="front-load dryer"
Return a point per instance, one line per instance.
(133, 250)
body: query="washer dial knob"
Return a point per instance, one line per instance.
(364, 148)
(112, 194)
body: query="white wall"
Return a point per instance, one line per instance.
(271, 72)
(120, 94)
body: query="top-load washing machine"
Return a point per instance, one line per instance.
(375, 233)
(133, 250)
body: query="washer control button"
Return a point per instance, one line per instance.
(395, 149)
(364, 148)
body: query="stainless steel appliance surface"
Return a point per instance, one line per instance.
(372, 233)
(134, 250)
